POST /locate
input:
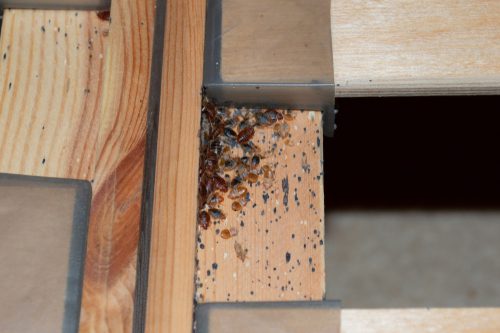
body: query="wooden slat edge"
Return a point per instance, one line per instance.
(402, 48)
(172, 251)
(465, 320)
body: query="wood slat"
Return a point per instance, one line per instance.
(74, 92)
(478, 320)
(109, 284)
(172, 251)
(282, 226)
(51, 65)
(400, 47)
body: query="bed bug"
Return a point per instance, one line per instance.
(236, 181)
(245, 135)
(228, 132)
(261, 119)
(220, 183)
(252, 178)
(204, 220)
(272, 116)
(216, 214)
(209, 109)
(214, 199)
(216, 147)
(104, 15)
(244, 160)
(255, 161)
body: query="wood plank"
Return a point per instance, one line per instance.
(281, 227)
(400, 47)
(109, 283)
(475, 320)
(172, 250)
(51, 66)
(74, 94)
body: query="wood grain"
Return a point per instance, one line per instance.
(478, 320)
(172, 251)
(51, 65)
(109, 283)
(401, 47)
(282, 226)
(73, 102)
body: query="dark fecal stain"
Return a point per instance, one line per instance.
(215, 266)
(288, 257)
(299, 179)
(42, 28)
(318, 141)
(284, 186)
(265, 197)
(43, 161)
(295, 197)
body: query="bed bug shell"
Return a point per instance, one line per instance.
(282, 130)
(238, 192)
(245, 135)
(241, 253)
(289, 115)
(204, 220)
(225, 234)
(236, 206)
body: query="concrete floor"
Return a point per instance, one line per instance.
(378, 259)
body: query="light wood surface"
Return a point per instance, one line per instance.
(402, 47)
(51, 65)
(478, 320)
(282, 226)
(172, 256)
(74, 92)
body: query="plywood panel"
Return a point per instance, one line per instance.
(479, 320)
(401, 47)
(280, 230)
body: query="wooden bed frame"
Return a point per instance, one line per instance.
(73, 104)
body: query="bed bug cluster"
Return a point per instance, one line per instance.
(230, 159)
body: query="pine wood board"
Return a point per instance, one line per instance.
(466, 320)
(282, 226)
(74, 91)
(415, 48)
(172, 249)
